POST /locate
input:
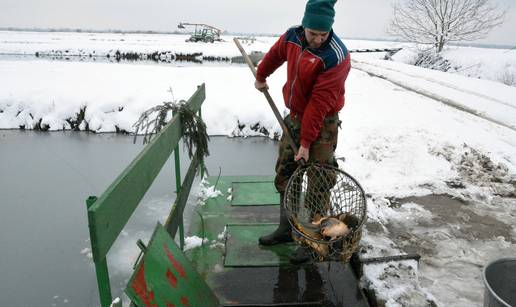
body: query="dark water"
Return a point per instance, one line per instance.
(207, 61)
(44, 181)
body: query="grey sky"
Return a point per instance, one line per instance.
(354, 18)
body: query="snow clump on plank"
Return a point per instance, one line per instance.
(206, 192)
(193, 242)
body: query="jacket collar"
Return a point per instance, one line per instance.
(300, 32)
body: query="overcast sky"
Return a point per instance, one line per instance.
(354, 18)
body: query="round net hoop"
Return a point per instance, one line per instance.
(326, 209)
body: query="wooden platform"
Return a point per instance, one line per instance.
(243, 273)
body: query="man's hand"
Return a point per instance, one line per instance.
(261, 86)
(302, 153)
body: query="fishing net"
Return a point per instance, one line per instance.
(326, 208)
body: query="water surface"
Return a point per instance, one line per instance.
(44, 181)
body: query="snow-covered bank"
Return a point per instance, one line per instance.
(491, 100)
(111, 97)
(399, 144)
(115, 95)
(51, 94)
(498, 65)
(99, 44)
(483, 63)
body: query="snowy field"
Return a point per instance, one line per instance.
(435, 151)
(498, 65)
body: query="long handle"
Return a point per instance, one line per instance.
(269, 99)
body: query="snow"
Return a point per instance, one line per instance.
(491, 64)
(116, 301)
(101, 44)
(438, 165)
(206, 192)
(68, 44)
(398, 144)
(394, 283)
(222, 236)
(87, 252)
(193, 242)
(133, 87)
(491, 100)
(230, 194)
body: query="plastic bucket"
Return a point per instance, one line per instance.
(500, 283)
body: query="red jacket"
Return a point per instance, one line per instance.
(315, 78)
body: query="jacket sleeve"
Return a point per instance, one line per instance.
(276, 56)
(326, 93)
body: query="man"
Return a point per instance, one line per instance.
(318, 64)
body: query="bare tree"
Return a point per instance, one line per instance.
(438, 22)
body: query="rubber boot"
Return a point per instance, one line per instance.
(283, 233)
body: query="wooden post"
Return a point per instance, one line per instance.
(101, 269)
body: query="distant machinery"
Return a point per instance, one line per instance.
(202, 33)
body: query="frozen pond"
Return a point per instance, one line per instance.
(45, 179)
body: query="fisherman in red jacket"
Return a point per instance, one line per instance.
(318, 64)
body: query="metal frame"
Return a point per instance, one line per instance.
(108, 215)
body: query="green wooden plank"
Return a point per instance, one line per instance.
(254, 194)
(175, 219)
(101, 270)
(109, 214)
(243, 250)
(165, 277)
(104, 287)
(247, 178)
(224, 185)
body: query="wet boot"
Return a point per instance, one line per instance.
(283, 233)
(300, 256)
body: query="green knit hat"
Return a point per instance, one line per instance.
(319, 15)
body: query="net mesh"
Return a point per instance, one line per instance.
(326, 208)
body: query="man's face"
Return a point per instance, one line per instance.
(315, 38)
